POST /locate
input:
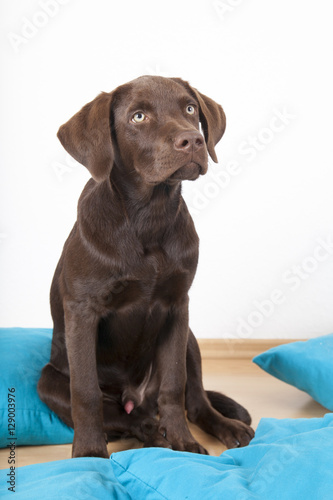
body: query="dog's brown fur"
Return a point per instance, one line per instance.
(122, 351)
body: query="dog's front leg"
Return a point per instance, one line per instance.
(86, 396)
(172, 375)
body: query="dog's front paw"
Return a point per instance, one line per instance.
(176, 442)
(90, 448)
(181, 439)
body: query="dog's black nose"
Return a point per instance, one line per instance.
(188, 141)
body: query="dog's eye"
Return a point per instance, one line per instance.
(138, 117)
(190, 109)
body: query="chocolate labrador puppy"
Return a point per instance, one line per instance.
(124, 361)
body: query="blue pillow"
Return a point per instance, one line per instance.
(23, 353)
(287, 459)
(308, 365)
(75, 478)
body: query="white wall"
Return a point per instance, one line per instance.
(264, 213)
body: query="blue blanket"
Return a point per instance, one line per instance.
(288, 459)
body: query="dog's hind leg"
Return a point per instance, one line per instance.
(214, 413)
(53, 390)
(228, 407)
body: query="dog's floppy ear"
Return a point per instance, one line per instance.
(213, 122)
(87, 136)
(212, 118)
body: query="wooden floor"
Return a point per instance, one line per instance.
(227, 367)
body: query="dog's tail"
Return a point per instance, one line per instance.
(228, 407)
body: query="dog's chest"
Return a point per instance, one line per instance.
(155, 276)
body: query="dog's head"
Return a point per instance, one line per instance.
(151, 127)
